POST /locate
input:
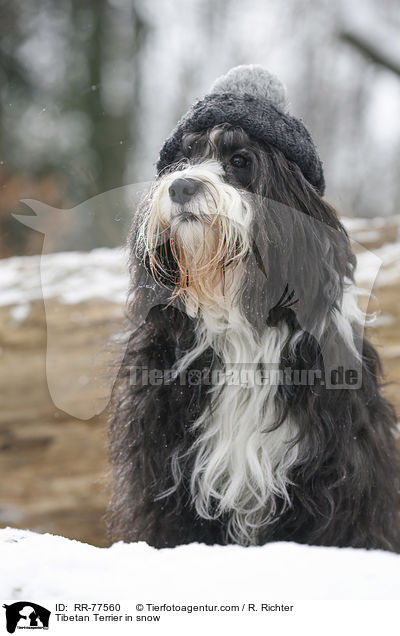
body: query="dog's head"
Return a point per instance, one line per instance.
(233, 219)
(199, 216)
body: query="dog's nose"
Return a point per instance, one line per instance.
(182, 190)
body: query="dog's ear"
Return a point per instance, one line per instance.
(296, 274)
(300, 256)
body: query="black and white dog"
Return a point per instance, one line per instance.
(248, 406)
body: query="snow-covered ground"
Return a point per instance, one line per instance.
(70, 276)
(39, 566)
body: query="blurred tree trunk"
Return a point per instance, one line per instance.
(15, 83)
(111, 133)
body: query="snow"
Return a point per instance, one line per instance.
(37, 566)
(353, 224)
(72, 277)
(20, 312)
(389, 273)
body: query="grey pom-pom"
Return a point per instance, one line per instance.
(252, 80)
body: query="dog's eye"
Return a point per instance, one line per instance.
(239, 161)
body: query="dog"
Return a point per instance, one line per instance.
(248, 407)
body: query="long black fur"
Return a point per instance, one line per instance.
(345, 489)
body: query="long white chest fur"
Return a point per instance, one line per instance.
(241, 462)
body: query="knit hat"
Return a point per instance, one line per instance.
(255, 100)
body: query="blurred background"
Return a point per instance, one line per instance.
(89, 90)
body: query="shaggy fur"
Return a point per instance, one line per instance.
(252, 273)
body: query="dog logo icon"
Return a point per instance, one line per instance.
(26, 615)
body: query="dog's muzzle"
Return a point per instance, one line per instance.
(197, 227)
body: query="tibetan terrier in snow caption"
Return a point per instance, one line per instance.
(248, 406)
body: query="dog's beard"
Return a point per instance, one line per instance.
(207, 238)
